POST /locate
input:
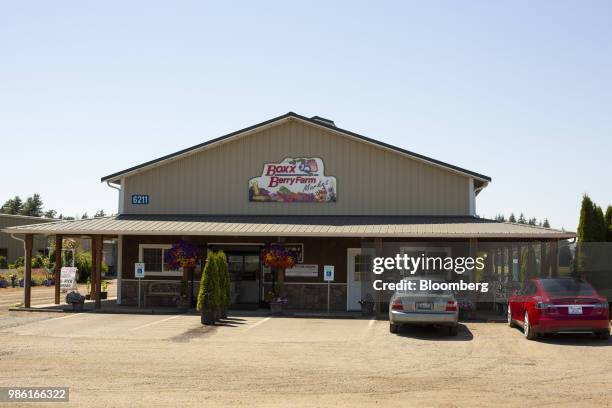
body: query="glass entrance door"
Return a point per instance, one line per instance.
(244, 275)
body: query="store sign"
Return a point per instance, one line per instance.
(303, 271)
(68, 279)
(293, 180)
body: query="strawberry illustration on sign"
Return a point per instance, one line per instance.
(293, 180)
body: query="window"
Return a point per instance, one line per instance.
(153, 257)
(4, 252)
(434, 268)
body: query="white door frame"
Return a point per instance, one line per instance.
(350, 272)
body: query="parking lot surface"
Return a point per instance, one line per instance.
(172, 360)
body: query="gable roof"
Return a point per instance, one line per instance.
(316, 121)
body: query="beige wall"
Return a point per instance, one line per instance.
(370, 180)
(14, 247)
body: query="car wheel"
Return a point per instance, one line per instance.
(605, 335)
(394, 328)
(452, 330)
(527, 329)
(510, 322)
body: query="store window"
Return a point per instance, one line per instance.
(153, 257)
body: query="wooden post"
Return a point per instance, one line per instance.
(99, 242)
(58, 267)
(92, 277)
(27, 278)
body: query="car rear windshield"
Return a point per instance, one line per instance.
(566, 287)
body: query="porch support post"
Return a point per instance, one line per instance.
(58, 267)
(27, 278)
(543, 262)
(473, 249)
(92, 278)
(378, 250)
(97, 248)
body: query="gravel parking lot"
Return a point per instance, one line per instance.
(165, 360)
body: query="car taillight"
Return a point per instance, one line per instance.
(547, 308)
(451, 306)
(600, 308)
(397, 304)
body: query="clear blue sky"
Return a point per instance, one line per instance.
(521, 92)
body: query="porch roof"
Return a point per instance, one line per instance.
(328, 226)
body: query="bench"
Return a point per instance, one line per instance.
(157, 289)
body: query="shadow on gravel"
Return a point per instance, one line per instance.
(204, 331)
(582, 340)
(435, 333)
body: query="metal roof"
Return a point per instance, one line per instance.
(302, 226)
(115, 177)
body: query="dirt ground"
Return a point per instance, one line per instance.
(156, 360)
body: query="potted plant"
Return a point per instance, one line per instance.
(209, 296)
(13, 278)
(88, 289)
(225, 284)
(367, 305)
(3, 282)
(278, 258)
(104, 289)
(76, 300)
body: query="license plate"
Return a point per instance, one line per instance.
(574, 309)
(424, 306)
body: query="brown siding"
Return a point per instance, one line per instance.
(370, 179)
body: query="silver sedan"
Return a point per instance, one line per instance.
(423, 307)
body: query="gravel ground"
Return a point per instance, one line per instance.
(143, 360)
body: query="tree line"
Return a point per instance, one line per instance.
(523, 220)
(33, 207)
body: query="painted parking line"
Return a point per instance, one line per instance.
(60, 318)
(258, 323)
(156, 322)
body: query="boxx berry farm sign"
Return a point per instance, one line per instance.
(293, 180)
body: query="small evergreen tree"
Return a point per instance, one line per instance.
(546, 224)
(512, 218)
(599, 226)
(209, 295)
(521, 219)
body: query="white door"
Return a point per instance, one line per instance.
(358, 267)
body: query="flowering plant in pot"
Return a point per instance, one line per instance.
(76, 300)
(278, 258)
(367, 305)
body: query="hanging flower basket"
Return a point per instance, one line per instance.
(182, 254)
(276, 256)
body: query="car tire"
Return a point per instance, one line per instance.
(605, 335)
(394, 328)
(510, 321)
(527, 329)
(453, 330)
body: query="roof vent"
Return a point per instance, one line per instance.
(324, 121)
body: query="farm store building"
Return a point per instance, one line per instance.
(327, 192)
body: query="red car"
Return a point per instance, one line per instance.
(559, 305)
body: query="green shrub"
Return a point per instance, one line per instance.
(224, 278)
(19, 262)
(38, 261)
(3, 263)
(209, 295)
(82, 261)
